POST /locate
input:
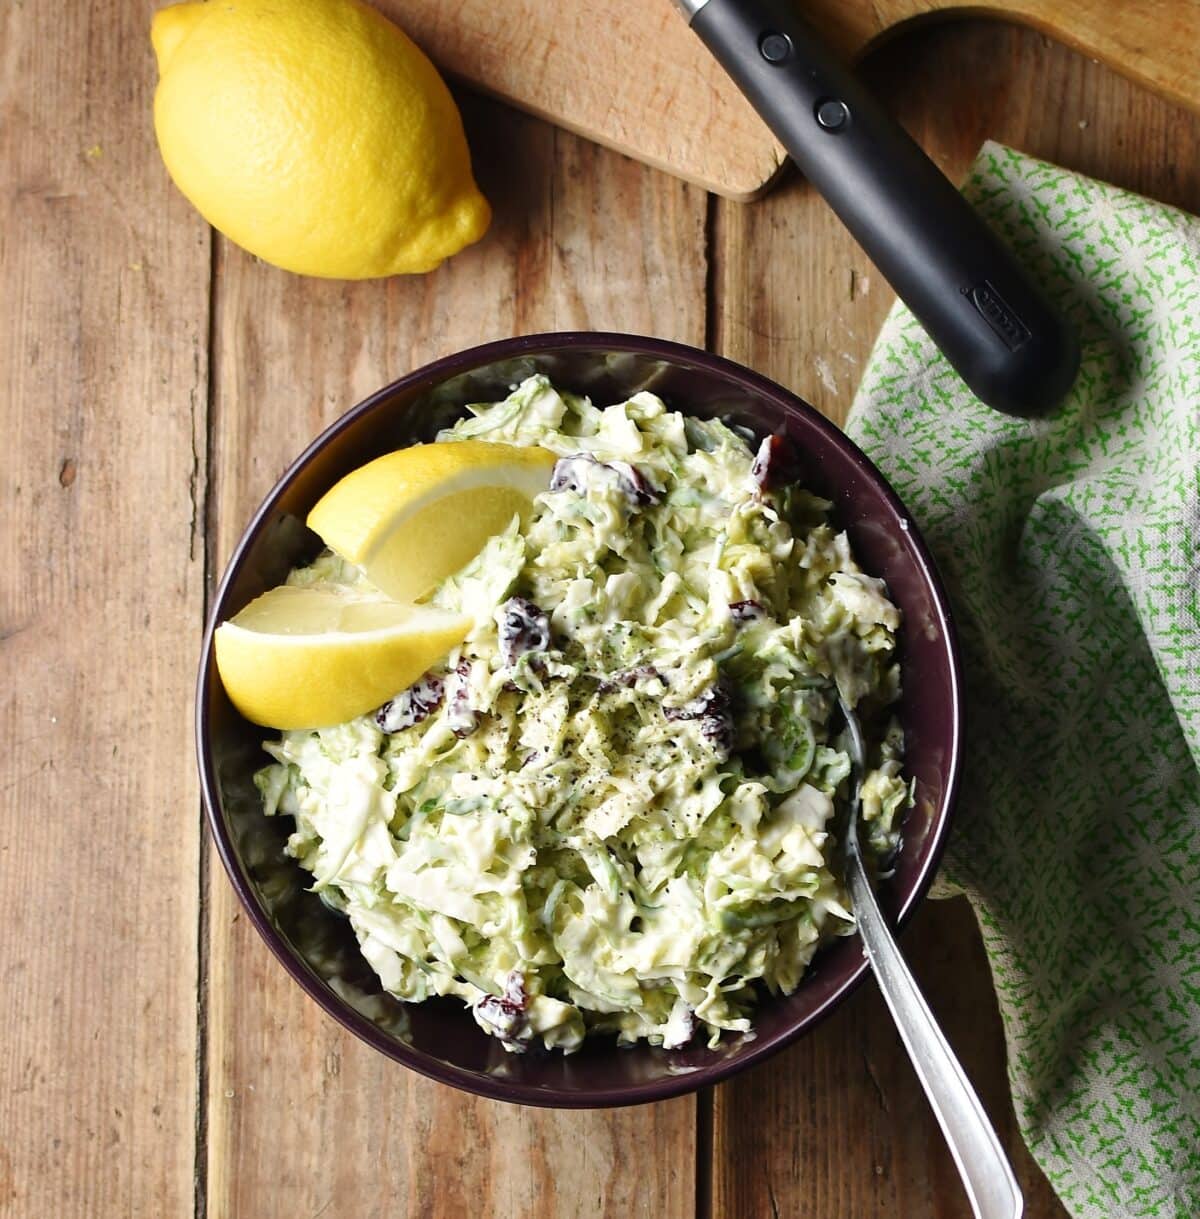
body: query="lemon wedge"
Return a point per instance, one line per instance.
(315, 656)
(411, 518)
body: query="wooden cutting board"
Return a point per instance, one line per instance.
(631, 75)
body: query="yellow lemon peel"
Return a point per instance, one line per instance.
(413, 517)
(315, 134)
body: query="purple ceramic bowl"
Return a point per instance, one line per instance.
(439, 1038)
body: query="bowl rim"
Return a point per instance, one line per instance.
(754, 1052)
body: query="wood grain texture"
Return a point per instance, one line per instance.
(630, 76)
(850, 1133)
(1152, 42)
(302, 1119)
(106, 512)
(103, 362)
(634, 77)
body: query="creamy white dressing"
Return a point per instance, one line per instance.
(628, 830)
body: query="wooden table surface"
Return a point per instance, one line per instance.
(155, 1060)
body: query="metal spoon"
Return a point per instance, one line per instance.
(986, 1173)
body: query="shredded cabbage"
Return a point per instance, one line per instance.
(610, 809)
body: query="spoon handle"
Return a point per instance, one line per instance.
(991, 1187)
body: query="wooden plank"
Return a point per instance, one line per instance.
(302, 1119)
(635, 78)
(1152, 42)
(848, 1132)
(632, 77)
(104, 279)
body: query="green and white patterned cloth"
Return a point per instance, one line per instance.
(1071, 550)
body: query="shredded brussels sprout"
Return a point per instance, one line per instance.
(609, 810)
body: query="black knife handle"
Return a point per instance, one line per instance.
(1011, 347)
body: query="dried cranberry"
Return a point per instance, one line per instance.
(523, 628)
(625, 679)
(411, 706)
(713, 701)
(461, 717)
(504, 1015)
(746, 611)
(775, 463)
(635, 485)
(571, 473)
(582, 470)
(514, 989)
(714, 709)
(718, 731)
(567, 472)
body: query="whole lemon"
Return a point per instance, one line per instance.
(315, 134)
